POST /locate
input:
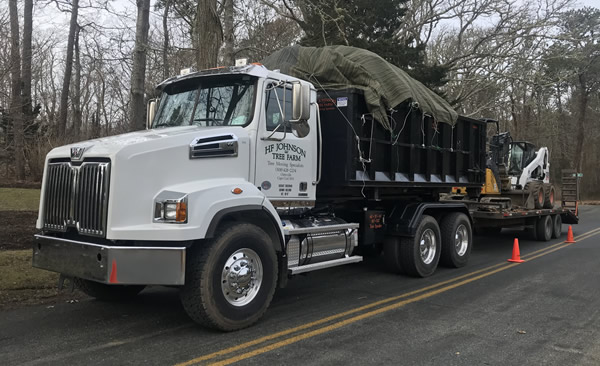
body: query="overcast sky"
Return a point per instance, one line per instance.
(594, 3)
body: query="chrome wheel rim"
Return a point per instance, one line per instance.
(461, 240)
(241, 277)
(427, 246)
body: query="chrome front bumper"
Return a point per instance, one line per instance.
(110, 264)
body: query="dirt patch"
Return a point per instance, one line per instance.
(21, 284)
(14, 299)
(17, 229)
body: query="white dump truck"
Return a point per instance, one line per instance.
(246, 177)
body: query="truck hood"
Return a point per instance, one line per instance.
(143, 164)
(140, 141)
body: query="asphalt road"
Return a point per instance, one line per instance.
(544, 311)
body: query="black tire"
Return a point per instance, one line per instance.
(549, 195)
(105, 292)
(456, 226)
(556, 226)
(203, 295)
(391, 254)
(543, 228)
(411, 260)
(537, 190)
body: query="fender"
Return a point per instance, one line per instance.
(267, 209)
(407, 222)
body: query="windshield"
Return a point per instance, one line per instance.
(516, 160)
(210, 101)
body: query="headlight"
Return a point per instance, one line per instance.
(171, 210)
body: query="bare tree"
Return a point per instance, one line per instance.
(16, 105)
(64, 96)
(228, 33)
(76, 97)
(207, 34)
(26, 69)
(165, 48)
(138, 74)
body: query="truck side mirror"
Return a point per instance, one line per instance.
(300, 102)
(150, 112)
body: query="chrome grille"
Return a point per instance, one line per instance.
(77, 196)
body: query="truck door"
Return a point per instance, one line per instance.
(286, 154)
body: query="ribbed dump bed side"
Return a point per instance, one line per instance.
(420, 153)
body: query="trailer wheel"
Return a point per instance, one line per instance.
(106, 292)
(556, 226)
(543, 228)
(230, 281)
(549, 196)
(457, 240)
(391, 254)
(419, 256)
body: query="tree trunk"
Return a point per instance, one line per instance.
(138, 73)
(16, 103)
(28, 112)
(207, 34)
(77, 117)
(64, 95)
(26, 68)
(165, 50)
(583, 104)
(228, 34)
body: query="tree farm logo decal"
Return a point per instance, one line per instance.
(285, 151)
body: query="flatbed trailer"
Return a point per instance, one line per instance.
(546, 223)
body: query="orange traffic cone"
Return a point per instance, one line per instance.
(516, 256)
(570, 238)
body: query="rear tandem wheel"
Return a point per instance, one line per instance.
(419, 255)
(457, 240)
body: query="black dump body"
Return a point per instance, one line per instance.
(420, 156)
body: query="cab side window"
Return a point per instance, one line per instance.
(275, 104)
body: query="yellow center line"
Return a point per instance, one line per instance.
(354, 319)
(361, 308)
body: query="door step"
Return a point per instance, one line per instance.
(327, 264)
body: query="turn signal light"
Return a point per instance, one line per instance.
(181, 212)
(237, 190)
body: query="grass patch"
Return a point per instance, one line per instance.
(19, 199)
(16, 272)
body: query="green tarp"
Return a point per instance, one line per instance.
(339, 67)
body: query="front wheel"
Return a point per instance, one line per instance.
(457, 240)
(548, 196)
(230, 280)
(419, 256)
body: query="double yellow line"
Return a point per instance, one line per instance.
(405, 299)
